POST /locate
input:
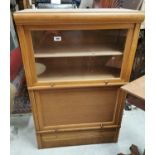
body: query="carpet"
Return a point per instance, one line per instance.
(22, 101)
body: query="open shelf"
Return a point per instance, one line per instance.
(79, 69)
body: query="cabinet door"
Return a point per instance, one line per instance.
(63, 108)
(79, 56)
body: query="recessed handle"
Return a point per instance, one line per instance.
(102, 126)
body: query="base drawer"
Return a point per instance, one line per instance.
(77, 138)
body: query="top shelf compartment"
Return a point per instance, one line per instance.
(78, 43)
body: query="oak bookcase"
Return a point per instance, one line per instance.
(88, 55)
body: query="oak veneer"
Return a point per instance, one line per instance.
(83, 105)
(78, 100)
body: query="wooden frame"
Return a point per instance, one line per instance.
(44, 95)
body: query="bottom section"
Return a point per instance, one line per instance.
(77, 137)
(76, 116)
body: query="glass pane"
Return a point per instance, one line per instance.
(70, 43)
(78, 55)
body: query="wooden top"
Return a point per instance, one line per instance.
(78, 16)
(80, 10)
(136, 87)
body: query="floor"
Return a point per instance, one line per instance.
(132, 132)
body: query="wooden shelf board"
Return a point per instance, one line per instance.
(78, 54)
(77, 51)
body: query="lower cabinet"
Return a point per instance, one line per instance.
(77, 115)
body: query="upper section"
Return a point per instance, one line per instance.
(78, 16)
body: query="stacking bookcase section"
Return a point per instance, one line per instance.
(77, 115)
(79, 55)
(75, 62)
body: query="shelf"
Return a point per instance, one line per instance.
(56, 75)
(76, 51)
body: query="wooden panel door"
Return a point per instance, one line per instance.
(73, 107)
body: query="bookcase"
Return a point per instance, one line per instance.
(85, 56)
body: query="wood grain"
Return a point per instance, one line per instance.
(23, 45)
(77, 137)
(64, 107)
(127, 50)
(77, 84)
(132, 51)
(70, 17)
